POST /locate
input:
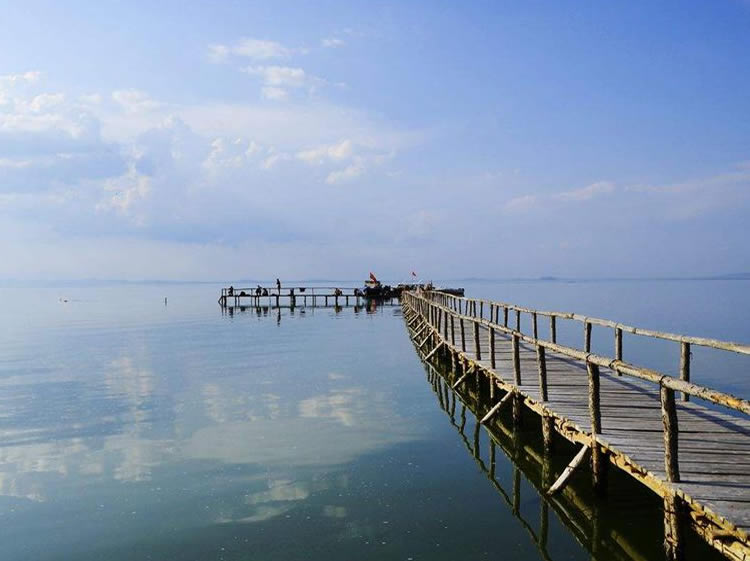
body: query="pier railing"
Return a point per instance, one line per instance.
(292, 295)
(459, 325)
(438, 308)
(474, 309)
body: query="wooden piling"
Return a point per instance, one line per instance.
(477, 346)
(671, 432)
(542, 364)
(598, 462)
(618, 343)
(516, 361)
(685, 366)
(491, 332)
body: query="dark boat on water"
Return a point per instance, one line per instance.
(374, 289)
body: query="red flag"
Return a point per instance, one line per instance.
(372, 278)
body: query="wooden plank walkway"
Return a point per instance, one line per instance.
(714, 446)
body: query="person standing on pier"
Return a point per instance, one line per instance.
(278, 286)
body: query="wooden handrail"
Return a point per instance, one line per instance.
(700, 341)
(616, 365)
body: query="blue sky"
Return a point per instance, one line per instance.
(498, 139)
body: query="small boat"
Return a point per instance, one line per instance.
(374, 289)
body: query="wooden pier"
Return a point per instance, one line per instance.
(465, 406)
(695, 456)
(290, 297)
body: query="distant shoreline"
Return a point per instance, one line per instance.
(357, 282)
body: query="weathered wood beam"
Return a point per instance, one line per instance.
(461, 379)
(433, 351)
(496, 408)
(568, 471)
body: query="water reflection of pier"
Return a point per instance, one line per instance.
(367, 306)
(583, 518)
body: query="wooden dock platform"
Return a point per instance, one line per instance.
(696, 457)
(290, 297)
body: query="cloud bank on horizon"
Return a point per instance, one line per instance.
(491, 140)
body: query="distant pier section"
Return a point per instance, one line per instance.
(320, 296)
(291, 297)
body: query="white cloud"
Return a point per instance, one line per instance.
(274, 92)
(134, 101)
(256, 49)
(46, 101)
(124, 191)
(274, 157)
(324, 153)
(28, 77)
(278, 80)
(91, 99)
(524, 203)
(520, 204)
(332, 42)
(10, 163)
(347, 174)
(588, 192)
(279, 76)
(687, 199)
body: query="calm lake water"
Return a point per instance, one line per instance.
(131, 429)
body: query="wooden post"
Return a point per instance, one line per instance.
(492, 312)
(477, 349)
(547, 431)
(481, 308)
(505, 316)
(445, 324)
(463, 334)
(534, 325)
(517, 411)
(618, 344)
(671, 432)
(586, 337)
(553, 329)
(516, 362)
(453, 331)
(542, 363)
(518, 320)
(491, 332)
(598, 464)
(685, 366)
(673, 538)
